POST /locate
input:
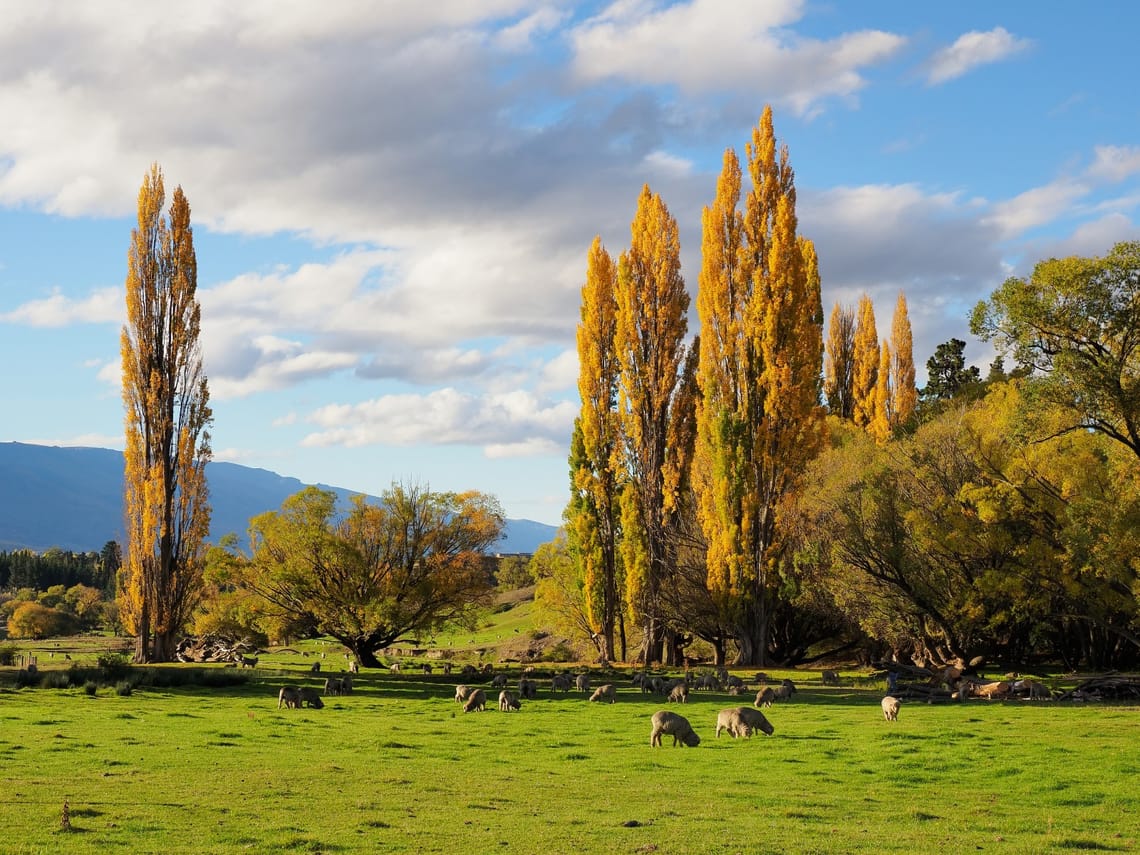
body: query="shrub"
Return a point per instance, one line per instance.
(56, 680)
(26, 678)
(8, 653)
(559, 652)
(124, 688)
(91, 687)
(114, 665)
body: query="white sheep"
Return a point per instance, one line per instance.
(677, 726)
(582, 682)
(765, 697)
(679, 693)
(289, 697)
(830, 678)
(477, 700)
(742, 721)
(604, 693)
(891, 708)
(507, 701)
(333, 686)
(560, 683)
(461, 692)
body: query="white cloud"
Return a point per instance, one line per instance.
(971, 50)
(1115, 163)
(446, 417)
(716, 46)
(1036, 207)
(105, 305)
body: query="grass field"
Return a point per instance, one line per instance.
(397, 767)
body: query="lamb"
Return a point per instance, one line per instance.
(477, 700)
(830, 678)
(582, 682)
(507, 701)
(461, 692)
(765, 697)
(891, 708)
(665, 722)
(742, 721)
(289, 697)
(528, 689)
(604, 693)
(680, 693)
(333, 686)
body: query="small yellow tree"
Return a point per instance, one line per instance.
(883, 419)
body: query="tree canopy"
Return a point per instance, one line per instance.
(379, 573)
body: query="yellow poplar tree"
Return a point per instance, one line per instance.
(650, 332)
(865, 373)
(902, 365)
(884, 411)
(839, 362)
(167, 427)
(596, 461)
(759, 421)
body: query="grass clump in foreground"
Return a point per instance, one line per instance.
(397, 767)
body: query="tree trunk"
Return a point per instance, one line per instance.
(752, 632)
(621, 634)
(365, 655)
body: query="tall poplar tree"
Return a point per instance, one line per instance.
(902, 365)
(649, 339)
(839, 363)
(884, 412)
(759, 421)
(596, 462)
(167, 427)
(866, 364)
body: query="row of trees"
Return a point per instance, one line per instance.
(698, 470)
(59, 610)
(23, 568)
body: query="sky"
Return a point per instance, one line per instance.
(393, 201)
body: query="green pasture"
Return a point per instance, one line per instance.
(398, 767)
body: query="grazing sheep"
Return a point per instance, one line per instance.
(468, 671)
(289, 697)
(488, 669)
(742, 721)
(680, 693)
(998, 689)
(830, 678)
(781, 693)
(765, 697)
(311, 697)
(528, 689)
(790, 686)
(394, 668)
(560, 683)
(736, 690)
(604, 693)
(346, 685)
(582, 682)
(316, 668)
(640, 679)
(353, 667)
(446, 667)
(1033, 690)
(426, 669)
(665, 722)
(507, 701)
(477, 700)
(499, 681)
(333, 686)
(708, 682)
(733, 682)
(891, 708)
(249, 662)
(461, 692)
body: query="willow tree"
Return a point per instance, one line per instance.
(758, 418)
(167, 427)
(902, 365)
(649, 341)
(594, 513)
(839, 362)
(866, 364)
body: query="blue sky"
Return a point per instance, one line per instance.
(393, 201)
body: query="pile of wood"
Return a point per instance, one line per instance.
(1107, 687)
(213, 648)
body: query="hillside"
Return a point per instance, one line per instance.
(71, 498)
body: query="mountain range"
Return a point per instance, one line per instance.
(72, 498)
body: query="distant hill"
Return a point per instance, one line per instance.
(72, 498)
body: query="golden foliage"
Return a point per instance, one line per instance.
(866, 364)
(902, 365)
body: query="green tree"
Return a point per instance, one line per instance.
(947, 374)
(410, 564)
(167, 427)
(1077, 322)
